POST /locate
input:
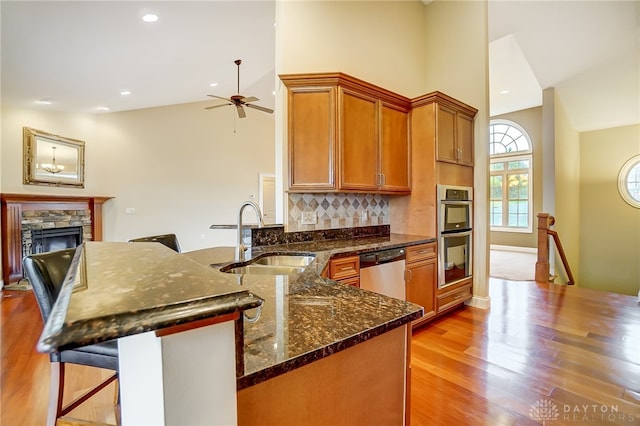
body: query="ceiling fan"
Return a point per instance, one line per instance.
(240, 101)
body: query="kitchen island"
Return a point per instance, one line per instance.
(322, 352)
(315, 351)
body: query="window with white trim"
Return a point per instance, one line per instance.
(510, 177)
(629, 181)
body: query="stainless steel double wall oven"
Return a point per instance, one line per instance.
(455, 216)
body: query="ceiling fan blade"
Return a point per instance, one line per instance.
(220, 97)
(241, 112)
(250, 99)
(217, 106)
(260, 108)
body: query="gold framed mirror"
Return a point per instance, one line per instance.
(52, 160)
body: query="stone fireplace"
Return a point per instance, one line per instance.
(40, 223)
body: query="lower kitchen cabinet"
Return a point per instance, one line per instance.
(421, 278)
(346, 270)
(455, 295)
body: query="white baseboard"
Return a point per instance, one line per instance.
(479, 302)
(513, 248)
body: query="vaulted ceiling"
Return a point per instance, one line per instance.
(80, 56)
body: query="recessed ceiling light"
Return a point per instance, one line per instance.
(44, 102)
(214, 84)
(102, 108)
(125, 92)
(504, 92)
(149, 17)
(273, 93)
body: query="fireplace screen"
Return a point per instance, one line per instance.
(50, 239)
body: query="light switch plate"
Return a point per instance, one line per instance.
(308, 218)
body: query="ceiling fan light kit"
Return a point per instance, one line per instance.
(240, 101)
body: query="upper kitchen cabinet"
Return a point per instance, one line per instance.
(346, 135)
(454, 129)
(312, 134)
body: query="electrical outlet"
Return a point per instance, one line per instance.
(308, 218)
(363, 216)
(130, 210)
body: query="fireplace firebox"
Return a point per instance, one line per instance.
(49, 239)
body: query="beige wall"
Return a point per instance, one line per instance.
(567, 187)
(181, 167)
(531, 120)
(609, 227)
(377, 41)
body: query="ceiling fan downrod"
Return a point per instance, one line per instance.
(238, 62)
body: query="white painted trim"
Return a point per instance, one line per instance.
(482, 302)
(513, 248)
(261, 179)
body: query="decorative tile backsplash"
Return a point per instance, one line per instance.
(333, 211)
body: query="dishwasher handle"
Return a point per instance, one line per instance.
(381, 257)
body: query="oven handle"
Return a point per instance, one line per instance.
(456, 203)
(463, 233)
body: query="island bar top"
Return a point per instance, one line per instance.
(291, 321)
(117, 289)
(306, 317)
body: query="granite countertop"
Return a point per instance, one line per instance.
(306, 317)
(116, 289)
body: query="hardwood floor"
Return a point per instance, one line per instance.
(571, 353)
(543, 354)
(24, 382)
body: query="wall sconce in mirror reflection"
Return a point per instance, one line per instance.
(52, 160)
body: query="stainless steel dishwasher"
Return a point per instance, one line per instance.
(383, 272)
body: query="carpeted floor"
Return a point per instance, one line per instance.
(512, 265)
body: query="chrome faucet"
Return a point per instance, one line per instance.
(241, 248)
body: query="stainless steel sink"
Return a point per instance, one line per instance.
(284, 260)
(265, 270)
(277, 264)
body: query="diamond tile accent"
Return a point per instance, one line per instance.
(336, 211)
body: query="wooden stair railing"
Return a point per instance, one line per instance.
(545, 221)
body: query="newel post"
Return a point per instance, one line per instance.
(545, 220)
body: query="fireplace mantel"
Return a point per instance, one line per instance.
(13, 205)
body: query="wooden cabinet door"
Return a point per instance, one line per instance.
(312, 134)
(421, 281)
(445, 134)
(464, 139)
(358, 141)
(394, 150)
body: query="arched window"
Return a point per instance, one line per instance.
(629, 181)
(511, 177)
